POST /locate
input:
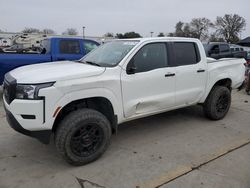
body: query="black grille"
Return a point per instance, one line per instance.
(9, 88)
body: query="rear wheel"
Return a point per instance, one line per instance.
(217, 103)
(83, 136)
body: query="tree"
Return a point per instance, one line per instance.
(48, 31)
(109, 35)
(179, 29)
(216, 38)
(199, 27)
(127, 35)
(230, 26)
(30, 30)
(70, 31)
(170, 34)
(187, 32)
(119, 35)
(161, 35)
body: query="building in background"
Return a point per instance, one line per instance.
(245, 42)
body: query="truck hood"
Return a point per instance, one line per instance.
(55, 71)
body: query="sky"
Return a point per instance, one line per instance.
(115, 16)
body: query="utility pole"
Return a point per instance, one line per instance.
(83, 31)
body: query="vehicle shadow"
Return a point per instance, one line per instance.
(149, 128)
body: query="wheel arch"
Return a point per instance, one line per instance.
(100, 104)
(227, 82)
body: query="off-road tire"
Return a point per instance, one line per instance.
(217, 103)
(74, 123)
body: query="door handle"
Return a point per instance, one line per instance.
(169, 74)
(200, 70)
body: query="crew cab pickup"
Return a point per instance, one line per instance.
(83, 102)
(218, 50)
(53, 49)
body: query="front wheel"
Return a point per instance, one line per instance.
(217, 103)
(83, 136)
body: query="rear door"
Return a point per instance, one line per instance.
(190, 73)
(225, 51)
(68, 49)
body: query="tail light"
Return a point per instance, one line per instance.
(247, 63)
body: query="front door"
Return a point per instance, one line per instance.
(148, 84)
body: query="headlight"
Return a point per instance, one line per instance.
(24, 91)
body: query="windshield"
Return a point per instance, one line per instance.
(109, 54)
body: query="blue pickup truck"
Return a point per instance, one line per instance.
(52, 49)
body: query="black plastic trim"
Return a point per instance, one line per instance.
(25, 116)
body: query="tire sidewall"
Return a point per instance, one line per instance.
(219, 93)
(81, 118)
(210, 105)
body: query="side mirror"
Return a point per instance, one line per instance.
(131, 68)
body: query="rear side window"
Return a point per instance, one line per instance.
(225, 48)
(89, 46)
(150, 57)
(69, 47)
(186, 53)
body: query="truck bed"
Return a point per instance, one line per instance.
(231, 68)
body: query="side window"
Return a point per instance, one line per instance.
(224, 48)
(150, 57)
(215, 49)
(69, 47)
(89, 46)
(186, 53)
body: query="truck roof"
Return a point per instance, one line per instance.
(161, 39)
(68, 37)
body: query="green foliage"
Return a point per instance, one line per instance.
(128, 35)
(109, 35)
(161, 35)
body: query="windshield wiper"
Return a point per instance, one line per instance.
(91, 63)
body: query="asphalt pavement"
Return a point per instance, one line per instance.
(180, 148)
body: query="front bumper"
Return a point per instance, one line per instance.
(41, 135)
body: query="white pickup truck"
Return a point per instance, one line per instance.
(83, 102)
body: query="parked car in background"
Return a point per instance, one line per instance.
(248, 74)
(52, 49)
(247, 64)
(83, 103)
(236, 48)
(218, 50)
